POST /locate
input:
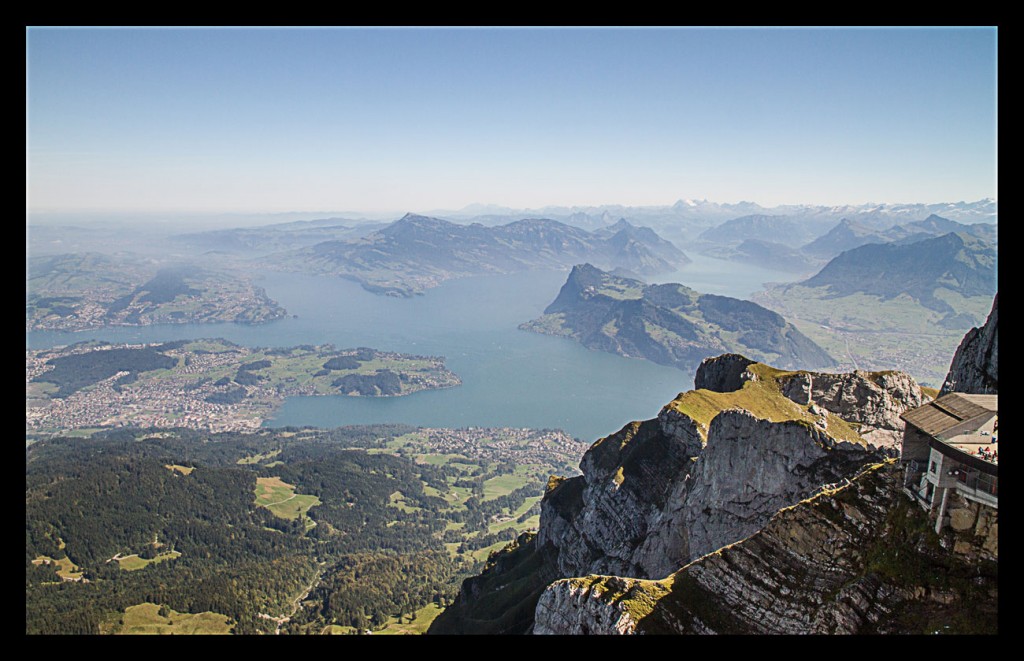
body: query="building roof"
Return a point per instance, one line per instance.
(980, 446)
(950, 410)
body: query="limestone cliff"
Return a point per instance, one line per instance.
(710, 470)
(975, 367)
(873, 401)
(648, 508)
(857, 559)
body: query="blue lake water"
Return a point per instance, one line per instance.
(510, 377)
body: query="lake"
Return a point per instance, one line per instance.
(510, 377)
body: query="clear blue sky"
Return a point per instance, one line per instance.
(419, 119)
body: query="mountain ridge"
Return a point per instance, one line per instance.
(849, 234)
(419, 252)
(959, 262)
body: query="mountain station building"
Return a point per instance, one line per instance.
(951, 453)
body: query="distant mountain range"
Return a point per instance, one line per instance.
(684, 221)
(789, 230)
(419, 252)
(960, 263)
(849, 234)
(984, 210)
(803, 245)
(279, 236)
(818, 231)
(902, 304)
(670, 324)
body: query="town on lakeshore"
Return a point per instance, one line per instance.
(213, 385)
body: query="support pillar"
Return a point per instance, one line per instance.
(942, 510)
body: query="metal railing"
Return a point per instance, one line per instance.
(978, 481)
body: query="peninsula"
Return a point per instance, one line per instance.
(670, 324)
(213, 385)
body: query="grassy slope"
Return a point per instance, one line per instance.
(280, 498)
(134, 562)
(64, 568)
(761, 398)
(145, 619)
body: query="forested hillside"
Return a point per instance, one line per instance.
(298, 530)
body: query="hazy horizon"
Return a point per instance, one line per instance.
(380, 121)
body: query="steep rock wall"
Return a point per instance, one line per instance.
(647, 517)
(858, 559)
(975, 366)
(710, 470)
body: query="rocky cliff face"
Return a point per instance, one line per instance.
(857, 559)
(724, 373)
(710, 470)
(648, 506)
(873, 401)
(975, 367)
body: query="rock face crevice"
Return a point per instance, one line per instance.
(975, 366)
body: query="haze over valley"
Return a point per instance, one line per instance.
(350, 331)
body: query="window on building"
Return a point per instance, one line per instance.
(934, 467)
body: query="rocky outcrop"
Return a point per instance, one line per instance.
(857, 559)
(873, 400)
(589, 606)
(975, 528)
(648, 516)
(975, 367)
(724, 373)
(710, 477)
(628, 481)
(712, 469)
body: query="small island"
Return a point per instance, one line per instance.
(213, 385)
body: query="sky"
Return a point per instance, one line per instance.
(410, 119)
